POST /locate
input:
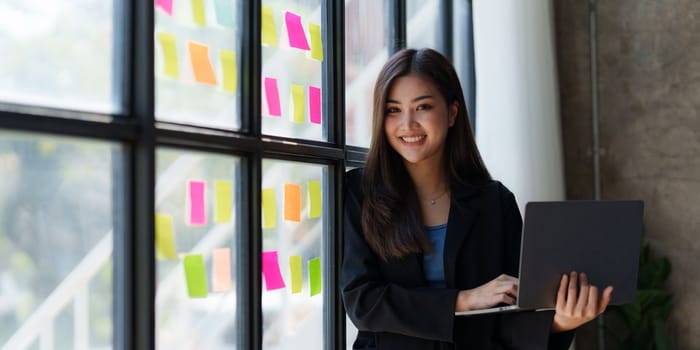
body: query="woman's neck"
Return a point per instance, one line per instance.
(429, 179)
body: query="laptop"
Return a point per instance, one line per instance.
(600, 238)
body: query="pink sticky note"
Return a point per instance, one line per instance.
(196, 203)
(166, 5)
(273, 97)
(315, 104)
(271, 271)
(221, 269)
(295, 31)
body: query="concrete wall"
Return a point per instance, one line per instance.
(649, 90)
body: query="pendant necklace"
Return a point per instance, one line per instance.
(433, 200)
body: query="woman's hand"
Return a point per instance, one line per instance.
(503, 289)
(573, 310)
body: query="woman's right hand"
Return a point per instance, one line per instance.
(501, 290)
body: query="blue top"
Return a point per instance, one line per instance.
(433, 262)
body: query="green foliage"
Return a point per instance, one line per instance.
(645, 319)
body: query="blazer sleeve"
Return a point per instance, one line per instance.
(375, 305)
(524, 330)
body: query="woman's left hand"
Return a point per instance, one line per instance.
(576, 306)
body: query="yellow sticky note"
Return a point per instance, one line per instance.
(316, 43)
(198, 12)
(269, 32)
(297, 106)
(230, 70)
(269, 214)
(315, 199)
(292, 202)
(167, 43)
(295, 271)
(223, 196)
(165, 240)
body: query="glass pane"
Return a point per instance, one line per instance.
(58, 54)
(422, 26)
(197, 221)
(292, 56)
(56, 227)
(365, 53)
(197, 62)
(294, 223)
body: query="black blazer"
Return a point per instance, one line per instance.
(393, 307)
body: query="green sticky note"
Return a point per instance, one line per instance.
(269, 32)
(229, 69)
(195, 275)
(269, 214)
(165, 241)
(198, 12)
(316, 43)
(315, 199)
(223, 195)
(295, 271)
(297, 106)
(315, 276)
(167, 44)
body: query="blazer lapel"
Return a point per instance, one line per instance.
(459, 227)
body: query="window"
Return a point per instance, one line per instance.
(173, 169)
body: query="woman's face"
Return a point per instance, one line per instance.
(416, 120)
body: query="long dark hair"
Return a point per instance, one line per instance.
(391, 217)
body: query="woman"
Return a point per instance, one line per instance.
(428, 232)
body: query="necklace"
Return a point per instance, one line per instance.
(434, 200)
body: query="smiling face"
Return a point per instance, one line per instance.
(417, 119)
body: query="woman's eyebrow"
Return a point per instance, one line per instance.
(414, 100)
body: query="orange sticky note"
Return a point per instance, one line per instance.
(198, 14)
(315, 199)
(165, 241)
(269, 214)
(229, 70)
(297, 106)
(316, 43)
(201, 64)
(269, 32)
(169, 50)
(292, 202)
(221, 269)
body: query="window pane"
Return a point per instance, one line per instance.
(56, 228)
(294, 197)
(365, 53)
(197, 62)
(292, 55)
(58, 54)
(197, 221)
(422, 27)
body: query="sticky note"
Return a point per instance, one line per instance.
(315, 105)
(223, 194)
(295, 31)
(295, 272)
(271, 271)
(198, 14)
(297, 106)
(316, 43)
(229, 70)
(315, 200)
(196, 207)
(165, 5)
(167, 43)
(195, 276)
(269, 214)
(269, 32)
(201, 64)
(165, 240)
(315, 276)
(221, 270)
(292, 202)
(225, 13)
(273, 97)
